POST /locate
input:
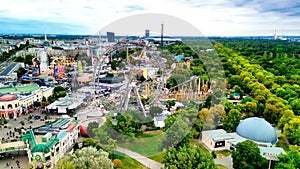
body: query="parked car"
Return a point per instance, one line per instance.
(36, 116)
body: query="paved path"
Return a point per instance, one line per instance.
(226, 161)
(142, 159)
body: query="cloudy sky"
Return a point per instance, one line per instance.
(211, 17)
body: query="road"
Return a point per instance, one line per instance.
(142, 159)
(226, 161)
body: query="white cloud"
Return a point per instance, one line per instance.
(219, 17)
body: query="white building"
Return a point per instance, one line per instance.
(255, 129)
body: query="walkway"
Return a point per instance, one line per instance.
(142, 159)
(12, 147)
(226, 161)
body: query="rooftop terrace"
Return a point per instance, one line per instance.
(20, 89)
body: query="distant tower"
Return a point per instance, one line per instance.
(46, 42)
(275, 34)
(110, 36)
(45, 36)
(162, 36)
(147, 33)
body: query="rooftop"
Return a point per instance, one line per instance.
(219, 134)
(257, 129)
(9, 69)
(20, 89)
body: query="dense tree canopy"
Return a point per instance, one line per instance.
(188, 157)
(86, 158)
(291, 160)
(247, 156)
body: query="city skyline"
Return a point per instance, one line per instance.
(214, 18)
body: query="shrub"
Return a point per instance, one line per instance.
(139, 131)
(214, 154)
(22, 123)
(117, 163)
(152, 128)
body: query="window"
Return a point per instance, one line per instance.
(219, 144)
(47, 158)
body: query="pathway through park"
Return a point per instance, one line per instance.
(142, 159)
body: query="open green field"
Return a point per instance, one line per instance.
(159, 157)
(127, 162)
(145, 144)
(27, 88)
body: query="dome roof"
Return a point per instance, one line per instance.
(257, 129)
(40, 148)
(8, 97)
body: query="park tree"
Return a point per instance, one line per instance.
(62, 164)
(295, 103)
(169, 104)
(89, 142)
(28, 59)
(188, 157)
(177, 135)
(292, 130)
(251, 109)
(130, 123)
(104, 137)
(247, 156)
(91, 126)
(285, 118)
(232, 120)
(214, 116)
(86, 158)
(272, 114)
(228, 105)
(36, 104)
(155, 110)
(58, 89)
(291, 160)
(20, 72)
(19, 59)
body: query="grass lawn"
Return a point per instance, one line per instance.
(146, 144)
(220, 166)
(158, 157)
(283, 143)
(195, 142)
(223, 153)
(127, 162)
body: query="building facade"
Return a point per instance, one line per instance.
(110, 36)
(47, 144)
(16, 100)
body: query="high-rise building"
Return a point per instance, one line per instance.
(147, 33)
(110, 36)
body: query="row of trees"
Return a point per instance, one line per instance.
(248, 76)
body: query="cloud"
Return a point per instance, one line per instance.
(241, 2)
(215, 17)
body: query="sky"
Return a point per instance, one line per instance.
(209, 17)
